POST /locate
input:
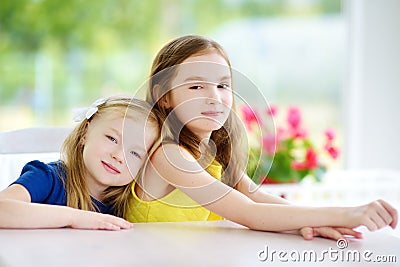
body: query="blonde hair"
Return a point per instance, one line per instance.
(72, 156)
(228, 139)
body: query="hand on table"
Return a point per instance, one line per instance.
(334, 233)
(98, 221)
(374, 215)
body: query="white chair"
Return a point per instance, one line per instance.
(21, 146)
(33, 140)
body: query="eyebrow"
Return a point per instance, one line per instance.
(116, 132)
(199, 78)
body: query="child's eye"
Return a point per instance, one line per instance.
(224, 86)
(196, 87)
(112, 139)
(135, 154)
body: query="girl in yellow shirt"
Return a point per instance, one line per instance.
(191, 89)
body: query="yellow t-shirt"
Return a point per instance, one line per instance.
(174, 207)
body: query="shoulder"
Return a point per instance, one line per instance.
(37, 167)
(173, 153)
(175, 160)
(178, 167)
(41, 179)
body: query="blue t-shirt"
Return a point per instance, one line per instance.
(44, 183)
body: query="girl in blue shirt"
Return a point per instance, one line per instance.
(89, 186)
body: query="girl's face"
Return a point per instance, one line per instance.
(201, 95)
(113, 159)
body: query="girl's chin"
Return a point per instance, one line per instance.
(205, 133)
(204, 128)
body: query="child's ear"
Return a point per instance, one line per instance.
(160, 98)
(83, 140)
(164, 101)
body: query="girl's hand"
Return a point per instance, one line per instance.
(98, 221)
(374, 215)
(25, 215)
(334, 233)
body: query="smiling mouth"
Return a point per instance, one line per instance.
(109, 168)
(212, 113)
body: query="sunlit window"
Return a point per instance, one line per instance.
(57, 56)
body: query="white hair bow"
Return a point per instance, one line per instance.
(86, 113)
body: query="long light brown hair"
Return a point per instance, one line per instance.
(227, 139)
(72, 156)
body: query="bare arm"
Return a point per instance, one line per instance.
(247, 187)
(16, 211)
(257, 194)
(180, 169)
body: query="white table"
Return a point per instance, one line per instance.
(219, 243)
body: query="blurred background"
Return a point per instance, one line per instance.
(56, 55)
(59, 55)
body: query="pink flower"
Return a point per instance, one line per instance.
(330, 134)
(269, 143)
(311, 159)
(272, 110)
(334, 152)
(310, 162)
(298, 166)
(298, 133)
(294, 117)
(288, 140)
(249, 115)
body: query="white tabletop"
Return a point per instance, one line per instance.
(219, 243)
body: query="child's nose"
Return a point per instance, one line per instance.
(214, 95)
(118, 155)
